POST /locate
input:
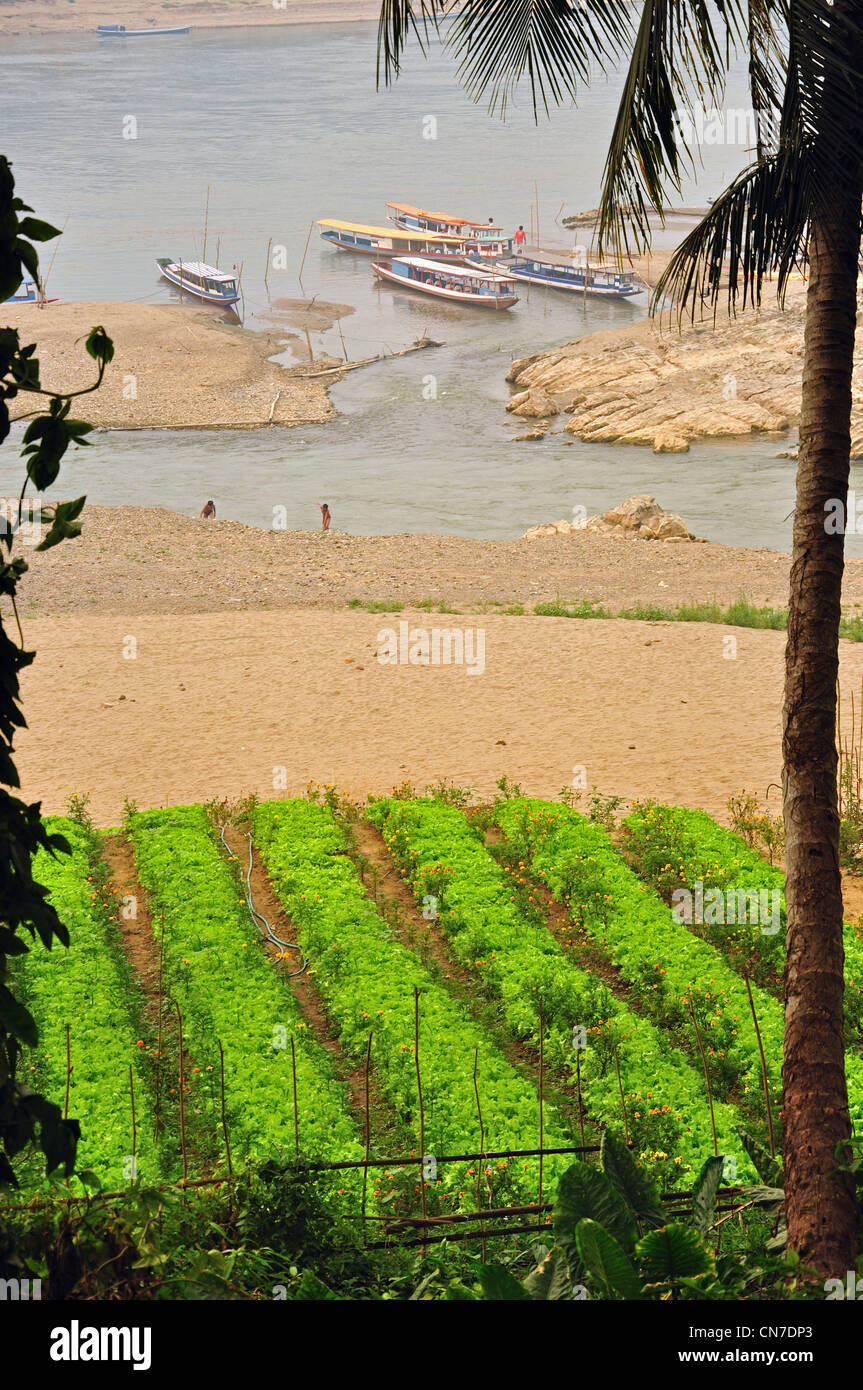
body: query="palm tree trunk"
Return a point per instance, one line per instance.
(820, 1205)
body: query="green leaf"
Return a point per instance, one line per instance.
(551, 1280)
(99, 345)
(311, 1289)
(37, 230)
(768, 1169)
(585, 1191)
(675, 1252)
(18, 1020)
(704, 1193)
(606, 1262)
(634, 1184)
(499, 1285)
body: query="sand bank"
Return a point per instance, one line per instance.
(59, 17)
(175, 365)
(222, 704)
(150, 560)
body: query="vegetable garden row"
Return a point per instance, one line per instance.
(646, 1021)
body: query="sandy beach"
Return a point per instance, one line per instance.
(246, 666)
(58, 16)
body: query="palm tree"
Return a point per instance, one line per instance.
(799, 199)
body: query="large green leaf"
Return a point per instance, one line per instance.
(582, 1192)
(551, 1280)
(605, 1261)
(704, 1193)
(674, 1252)
(768, 1169)
(499, 1285)
(634, 1184)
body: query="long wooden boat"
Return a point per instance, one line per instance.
(484, 239)
(390, 241)
(119, 31)
(563, 273)
(485, 289)
(204, 281)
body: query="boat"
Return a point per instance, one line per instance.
(119, 31)
(204, 281)
(484, 289)
(564, 273)
(28, 293)
(390, 241)
(484, 239)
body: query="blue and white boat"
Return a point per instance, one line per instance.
(28, 293)
(482, 288)
(203, 281)
(119, 31)
(566, 273)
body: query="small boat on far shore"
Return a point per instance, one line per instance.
(203, 281)
(119, 31)
(484, 289)
(28, 293)
(565, 273)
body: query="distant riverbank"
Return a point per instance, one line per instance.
(22, 17)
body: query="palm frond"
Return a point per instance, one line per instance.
(758, 227)
(681, 55)
(766, 20)
(554, 43)
(399, 19)
(826, 104)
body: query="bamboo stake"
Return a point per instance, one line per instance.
(296, 1109)
(159, 1036)
(481, 1164)
(134, 1125)
(541, 1117)
(706, 1076)
(224, 1116)
(182, 1097)
(206, 222)
(578, 1089)
(267, 266)
(420, 1095)
(309, 345)
(622, 1100)
(68, 1073)
(305, 253)
(763, 1067)
(368, 1127)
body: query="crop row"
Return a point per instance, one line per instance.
(675, 849)
(228, 991)
(85, 987)
(367, 979)
(670, 967)
(453, 874)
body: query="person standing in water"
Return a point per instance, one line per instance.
(326, 518)
(520, 237)
(208, 510)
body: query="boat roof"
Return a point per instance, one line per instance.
(445, 268)
(543, 257)
(211, 272)
(395, 232)
(442, 217)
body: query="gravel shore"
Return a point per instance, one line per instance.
(150, 560)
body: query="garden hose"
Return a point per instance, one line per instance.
(259, 919)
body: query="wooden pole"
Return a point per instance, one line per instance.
(182, 1096)
(541, 1077)
(134, 1125)
(267, 266)
(305, 252)
(763, 1067)
(368, 1127)
(481, 1164)
(578, 1091)
(420, 1095)
(206, 221)
(224, 1116)
(159, 1034)
(68, 1073)
(296, 1110)
(309, 345)
(622, 1098)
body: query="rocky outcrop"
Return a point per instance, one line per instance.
(533, 404)
(652, 384)
(638, 517)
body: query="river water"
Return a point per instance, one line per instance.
(284, 125)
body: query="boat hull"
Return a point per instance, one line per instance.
(205, 296)
(108, 33)
(569, 286)
(477, 301)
